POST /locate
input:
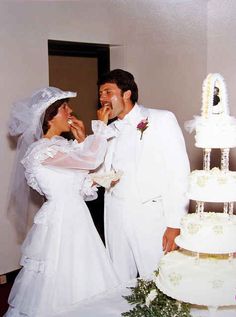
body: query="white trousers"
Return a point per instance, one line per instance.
(133, 233)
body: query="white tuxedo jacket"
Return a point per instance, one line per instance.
(161, 163)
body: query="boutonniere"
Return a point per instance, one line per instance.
(142, 126)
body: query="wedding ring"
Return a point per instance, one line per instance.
(69, 121)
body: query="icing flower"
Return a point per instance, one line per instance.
(193, 228)
(217, 283)
(218, 229)
(142, 126)
(150, 297)
(175, 278)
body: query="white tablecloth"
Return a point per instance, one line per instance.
(112, 304)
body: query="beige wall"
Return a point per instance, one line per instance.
(169, 45)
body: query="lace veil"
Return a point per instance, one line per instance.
(25, 122)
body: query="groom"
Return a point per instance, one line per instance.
(142, 210)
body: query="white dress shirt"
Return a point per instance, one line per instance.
(124, 154)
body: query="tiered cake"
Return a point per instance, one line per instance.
(203, 270)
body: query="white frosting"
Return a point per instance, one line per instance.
(214, 128)
(209, 279)
(206, 281)
(218, 131)
(210, 232)
(208, 109)
(212, 186)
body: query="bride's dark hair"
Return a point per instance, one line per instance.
(51, 112)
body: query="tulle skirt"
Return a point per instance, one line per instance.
(64, 262)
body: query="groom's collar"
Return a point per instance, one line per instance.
(132, 118)
(136, 115)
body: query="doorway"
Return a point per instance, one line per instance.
(76, 67)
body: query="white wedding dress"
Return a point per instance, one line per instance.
(64, 260)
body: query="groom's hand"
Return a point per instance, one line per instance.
(168, 241)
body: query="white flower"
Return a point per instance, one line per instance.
(150, 297)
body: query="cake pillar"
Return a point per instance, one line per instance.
(226, 207)
(200, 207)
(231, 208)
(212, 310)
(206, 159)
(224, 159)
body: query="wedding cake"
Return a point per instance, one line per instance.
(203, 270)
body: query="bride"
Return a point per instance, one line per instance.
(63, 258)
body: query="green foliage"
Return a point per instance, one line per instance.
(160, 304)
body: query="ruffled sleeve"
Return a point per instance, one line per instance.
(59, 152)
(89, 190)
(100, 128)
(87, 155)
(37, 153)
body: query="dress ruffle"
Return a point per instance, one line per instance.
(40, 151)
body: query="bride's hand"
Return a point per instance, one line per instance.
(103, 113)
(77, 129)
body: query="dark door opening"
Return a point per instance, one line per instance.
(77, 67)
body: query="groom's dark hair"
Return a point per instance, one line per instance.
(123, 79)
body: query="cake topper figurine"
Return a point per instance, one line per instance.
(216, 98)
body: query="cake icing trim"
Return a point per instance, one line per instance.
(213, 80)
